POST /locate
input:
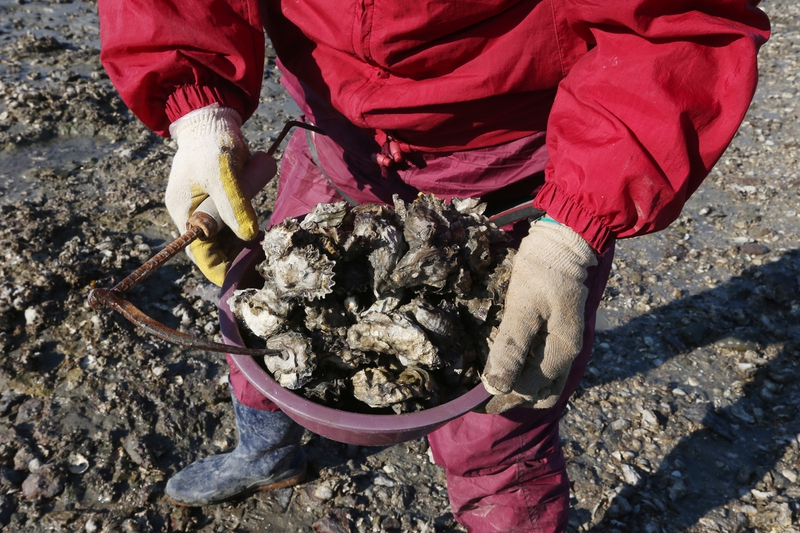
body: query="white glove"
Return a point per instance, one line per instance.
(541, 332)
(210, 162)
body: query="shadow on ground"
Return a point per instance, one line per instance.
(737, 442)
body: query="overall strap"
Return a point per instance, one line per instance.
(312, 147)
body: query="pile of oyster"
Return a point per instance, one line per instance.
(388, 307)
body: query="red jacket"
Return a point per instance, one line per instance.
(639, 98)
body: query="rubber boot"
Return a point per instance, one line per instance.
(267, 457)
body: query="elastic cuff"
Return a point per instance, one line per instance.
(209, 119)
(189, 98)
(564, 209)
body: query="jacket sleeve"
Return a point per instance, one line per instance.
(640, 120)
(169, 57)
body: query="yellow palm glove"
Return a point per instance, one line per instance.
(541, 332)
(211, 161)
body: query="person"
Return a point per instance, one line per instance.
(605, 115)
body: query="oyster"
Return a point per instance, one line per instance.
(497, 281)
(469, 206)
(424, 264)
(479, 258)
(441, 322)
(388, 307)
(262, 311)
(327, 392)
(302, 273)
(377, 387)
(278, 240)
(424, 220)
(295, 365)
(393, 334)
(325, 216)
(376, 234)
(327, 316)
(477, 308)
(431, 257)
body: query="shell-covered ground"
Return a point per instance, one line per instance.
(687, 421)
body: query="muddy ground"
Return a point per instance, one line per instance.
(687, 421)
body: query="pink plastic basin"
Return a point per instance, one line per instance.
(341, 426)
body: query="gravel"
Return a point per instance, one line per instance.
(687, 421)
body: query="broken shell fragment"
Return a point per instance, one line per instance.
(77, 463)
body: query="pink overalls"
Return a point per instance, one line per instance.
(640, 99)
(504, 472)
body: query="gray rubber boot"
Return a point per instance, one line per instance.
(268, 456)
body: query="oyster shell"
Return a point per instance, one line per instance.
(497, 281)
(295, 365)
(262, 310)
(377, 387)
(441, 323)
(327, 316)
(327, 392)
(469, 206)
(393, 334)
(477, 247)
(302, 273)
(325, 216)
(388, 307)
(423, 220)
(424, 264)
(376, 234)
(279, 239)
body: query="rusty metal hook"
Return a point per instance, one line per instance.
(199, 224)
(112, 300)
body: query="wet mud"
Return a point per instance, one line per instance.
(687, 420)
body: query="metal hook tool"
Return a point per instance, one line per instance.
(204, 221)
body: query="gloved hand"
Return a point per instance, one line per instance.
(541, 331)
(211, 160)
